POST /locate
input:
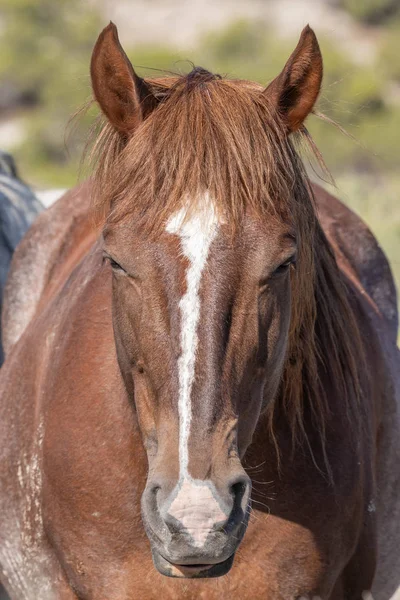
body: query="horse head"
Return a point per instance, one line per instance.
(208, 221)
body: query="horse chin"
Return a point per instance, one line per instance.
(194, 571)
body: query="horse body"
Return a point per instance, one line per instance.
(82, 462)
(106, 487)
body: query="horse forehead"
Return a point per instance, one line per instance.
(205, 244)
(196, 229)
(196, 233)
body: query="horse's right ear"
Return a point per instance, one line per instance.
(124, 97)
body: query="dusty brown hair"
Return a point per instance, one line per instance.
(224, 136)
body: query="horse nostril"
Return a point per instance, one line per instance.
(152, 497)
(240, 491)
(154, 489)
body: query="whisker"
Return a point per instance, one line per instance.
(249, 468)
(262, 504)
(262, 482)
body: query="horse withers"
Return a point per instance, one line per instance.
(208, 388)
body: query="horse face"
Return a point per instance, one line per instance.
(201, 326)
(201, 318)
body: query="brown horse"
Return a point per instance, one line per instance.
(228, 340)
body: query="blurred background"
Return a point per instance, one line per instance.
(45, 48)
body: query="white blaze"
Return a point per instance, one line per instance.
(194, 502)
(196, 234)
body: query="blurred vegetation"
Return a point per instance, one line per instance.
(390, 52)
(45, 49)
(45, 53)
(372, 12)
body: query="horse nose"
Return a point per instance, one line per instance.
(198, 508)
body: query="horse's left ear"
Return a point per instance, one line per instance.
(124, 97)
(295, 91)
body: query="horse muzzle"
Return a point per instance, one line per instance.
(195, 529)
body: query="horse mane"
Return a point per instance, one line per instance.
(224, 136)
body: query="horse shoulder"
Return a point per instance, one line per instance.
(357, 250)
(43, 260)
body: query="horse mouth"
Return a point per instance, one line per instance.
(165, 567)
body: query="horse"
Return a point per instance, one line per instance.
(19, 207)
(200, 397)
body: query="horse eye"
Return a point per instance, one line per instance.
(285, 266)
(114, 265)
